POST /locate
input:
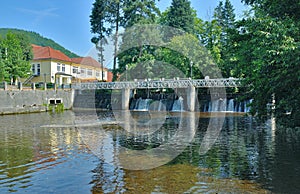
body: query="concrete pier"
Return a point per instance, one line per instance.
(125, 98)
(191, 98)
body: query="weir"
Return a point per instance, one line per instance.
(188, 85)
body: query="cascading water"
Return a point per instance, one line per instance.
(218, 105)
(178, 105)
(215, 106)
(157, 106)
(142, 104)
(230, 105)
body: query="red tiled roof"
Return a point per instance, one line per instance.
(40, 52)
(88, 61)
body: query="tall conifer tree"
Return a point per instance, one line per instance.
(181, 15)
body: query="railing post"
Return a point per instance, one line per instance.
(20, 86)
(33, 86)
(45, 86)
(5, 85)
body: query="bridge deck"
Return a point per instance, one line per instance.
(181, 83)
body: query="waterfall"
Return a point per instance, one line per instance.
(157, 106)
(161, 106)
(209, 107)
(178, 105)
(205, 107)
(133, 104)
(214, 106)
(142, 104)
(218, 105)
(230, 106)
(221, 105)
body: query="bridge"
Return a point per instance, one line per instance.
(189, 84)
(157, 84)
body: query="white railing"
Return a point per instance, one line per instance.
(177, 83)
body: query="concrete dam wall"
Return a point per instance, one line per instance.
(23, 101)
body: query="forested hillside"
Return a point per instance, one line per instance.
(37, 39)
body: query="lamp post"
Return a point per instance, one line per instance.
(126, 67)
(191, 65)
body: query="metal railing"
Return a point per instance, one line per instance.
(177, 83)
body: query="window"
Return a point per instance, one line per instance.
(38, 69)
(63, 68)
(97, 74)
(58, 67)
(90, 72)
(82, 72)
(75, 70)
(33, 69)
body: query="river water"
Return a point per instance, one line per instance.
(64, 153)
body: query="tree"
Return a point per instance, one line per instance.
(15, 56)
(270, 60)
(185, 49)
(114, 12)
(25, 45)
(139, 12)
(97, 20)
(210, 38)
(2, 60)
(181, 15)
(225, 18)
(278, 8)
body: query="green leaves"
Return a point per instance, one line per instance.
(267, 54)
(139, 12)
(180, 15)
(14, 58)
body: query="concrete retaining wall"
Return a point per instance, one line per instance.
(16, 102)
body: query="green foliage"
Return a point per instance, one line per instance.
(278, 8)
(15, 55)
(139, 12)
(263, 47)
(220, 29)
(267, 51)
(210, 38)
(35, 38)
(181, 15)
(97, 21)
(188, 50)
(105, 18)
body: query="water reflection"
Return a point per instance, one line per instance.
(244, 158)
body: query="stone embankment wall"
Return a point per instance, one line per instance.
(29, 101)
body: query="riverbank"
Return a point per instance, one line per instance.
(33, 101)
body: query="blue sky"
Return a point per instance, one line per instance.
(67, 21)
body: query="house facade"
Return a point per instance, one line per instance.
(52, 66)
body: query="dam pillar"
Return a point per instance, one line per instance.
(125, 98)
(191, 98)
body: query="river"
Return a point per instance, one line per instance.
(108, 152)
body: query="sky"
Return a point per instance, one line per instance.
(67, 21)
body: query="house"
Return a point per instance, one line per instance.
(88, 69)
(53, 66)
